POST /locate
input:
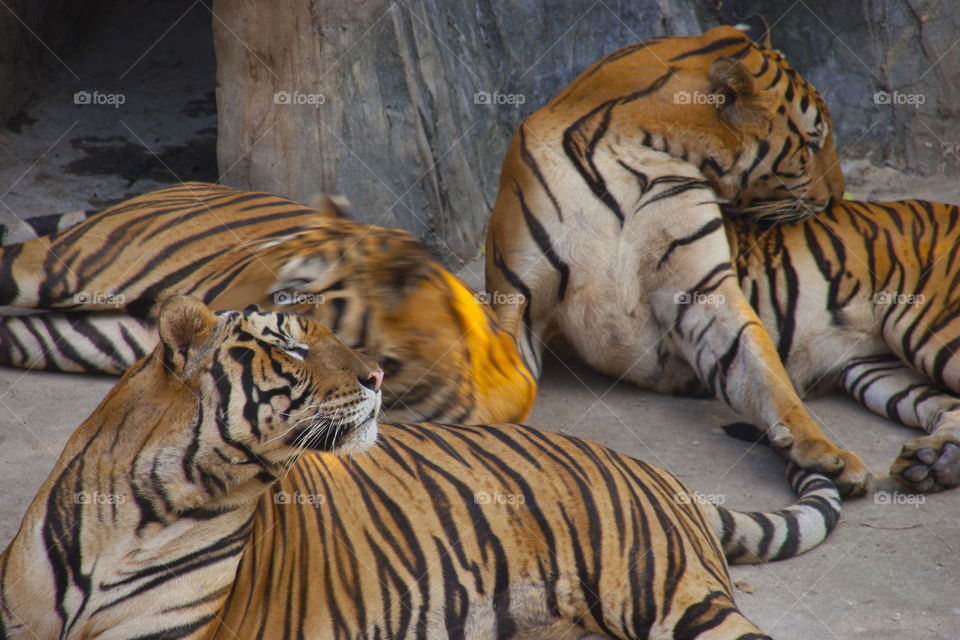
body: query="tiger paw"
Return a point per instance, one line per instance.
(929, 463)
(845, 468)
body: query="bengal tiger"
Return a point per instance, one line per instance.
(99, 285)
(866, 297)
(607, 221)
(164, 517)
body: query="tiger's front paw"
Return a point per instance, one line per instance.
(845, 468)
(929, 463)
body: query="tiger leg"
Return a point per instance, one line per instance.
(715, 617)
(888, 387)
(732, 353)
(97, 342)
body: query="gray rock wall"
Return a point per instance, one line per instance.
(407, 107)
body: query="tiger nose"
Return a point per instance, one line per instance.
(373, 380)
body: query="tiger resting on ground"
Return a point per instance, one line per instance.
(232, 510)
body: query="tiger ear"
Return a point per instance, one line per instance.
(756, 28)
(739, 101)
(185, 323)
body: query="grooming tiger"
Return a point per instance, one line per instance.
(607, 223)
(411, 539)
(866, 297)
(100, 283)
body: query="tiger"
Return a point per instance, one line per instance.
(239, 484)
(98, 285)
(864, 298)
(608, 220)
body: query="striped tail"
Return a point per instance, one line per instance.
(100, 342)
(31, 228)
(764, 537)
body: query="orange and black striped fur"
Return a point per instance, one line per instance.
(607, 224)
(99, 284)
(866, 297)
(437, 531)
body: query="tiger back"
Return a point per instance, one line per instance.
(408, 530)
(101, 283)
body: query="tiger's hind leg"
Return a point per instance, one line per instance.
(887, 386)
(94, 342)
(714, 617)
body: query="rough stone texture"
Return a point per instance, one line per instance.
(33, 35)
(400, 130)
(853, 51)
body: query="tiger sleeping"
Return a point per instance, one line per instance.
(235, 483)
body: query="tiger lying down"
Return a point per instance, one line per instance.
(99, 285)
(221, 499)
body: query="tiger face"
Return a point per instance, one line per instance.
(789, 165)
(278, 383)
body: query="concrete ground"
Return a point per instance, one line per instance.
(891, 568)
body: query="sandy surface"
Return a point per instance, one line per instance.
(889, 571)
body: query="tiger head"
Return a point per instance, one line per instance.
(721, 101)
(157, 489)
(781, 128)
(267, 385)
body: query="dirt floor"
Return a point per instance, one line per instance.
(889, 571)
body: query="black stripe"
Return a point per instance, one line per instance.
(710, 48)
(542, 238)
(702, 232)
